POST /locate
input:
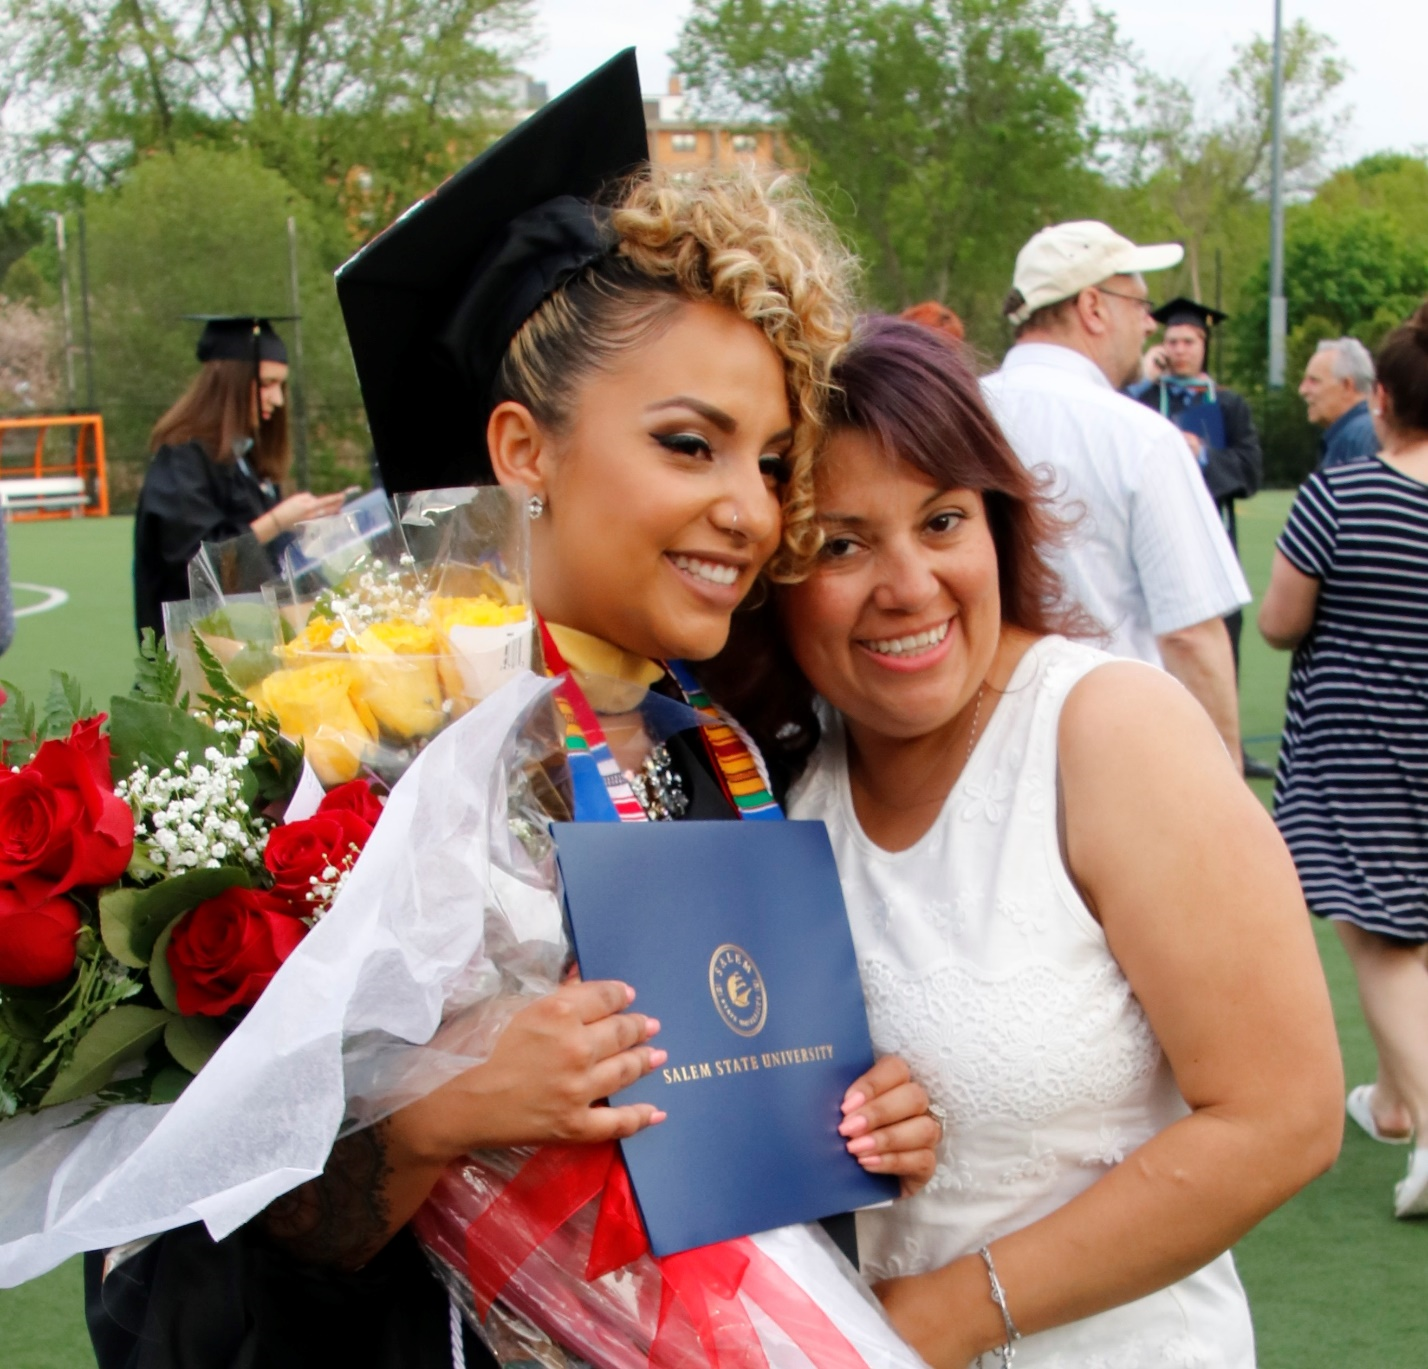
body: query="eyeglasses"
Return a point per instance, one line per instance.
(1144, 301)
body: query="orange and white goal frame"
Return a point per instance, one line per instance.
(71, 483)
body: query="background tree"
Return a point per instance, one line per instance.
(218, 223)
(340, 96)
(1201, 170)
(941, 133)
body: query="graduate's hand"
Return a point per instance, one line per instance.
(302, 507)
(887, 1125)
(553, 1062)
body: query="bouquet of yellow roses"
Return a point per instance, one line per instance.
(391, 620)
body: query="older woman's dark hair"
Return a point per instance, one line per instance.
(1401, 367)
(910, 389)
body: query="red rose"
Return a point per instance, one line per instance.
(36, 940)
(355, 796)
(298, 853)
(225, 952)
(61, 824)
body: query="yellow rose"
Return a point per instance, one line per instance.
(480, 611)
(483, 640)
(315, 703)
(318, 636)
(396, 661)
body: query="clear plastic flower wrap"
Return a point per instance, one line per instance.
(396, 619)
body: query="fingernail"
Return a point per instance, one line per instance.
(871, 1161)
(629, 993)
(657, 1058)
(657, 1117)
(861, 1146)
(651, 1026)
(853, 1100)
(854, 1125)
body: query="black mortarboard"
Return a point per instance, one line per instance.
(432, 303)
(1182, 310)
(240, 337)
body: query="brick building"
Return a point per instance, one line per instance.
(680, 143)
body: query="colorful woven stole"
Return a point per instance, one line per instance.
(603, 794)
(736, 759)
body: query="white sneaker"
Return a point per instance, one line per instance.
(1359, 1106)
(1410, 1194)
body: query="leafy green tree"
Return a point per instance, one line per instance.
(1201, 171)
(217, 221)
(1355, 262)
(941, 133)
(1356, 265)
(359, 104)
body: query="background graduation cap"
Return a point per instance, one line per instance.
(240, 337)
(1182, 310)
(432, 303)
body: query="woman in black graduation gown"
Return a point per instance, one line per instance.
(219, 456)
(652, 376)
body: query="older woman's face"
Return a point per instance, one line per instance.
(662, 498)
(899, 622)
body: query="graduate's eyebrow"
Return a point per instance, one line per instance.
(724, 422)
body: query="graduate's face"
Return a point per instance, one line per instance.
(900, 621)
(270, 394)
(661, 497)
(1184, 349)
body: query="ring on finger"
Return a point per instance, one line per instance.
(939, 1115)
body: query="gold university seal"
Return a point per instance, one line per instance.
(737, 989)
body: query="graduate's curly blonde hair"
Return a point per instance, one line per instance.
(763, 250)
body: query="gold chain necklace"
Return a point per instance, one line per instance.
(976, 718)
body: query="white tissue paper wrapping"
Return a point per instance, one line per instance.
(404, 942)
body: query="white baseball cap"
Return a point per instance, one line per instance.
(1061, 261)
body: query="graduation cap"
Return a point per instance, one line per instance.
(432, 303)
(1182, 310)
(240, 337)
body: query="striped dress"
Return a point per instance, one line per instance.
(1351, 797)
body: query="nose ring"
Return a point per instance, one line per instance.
(734, 522)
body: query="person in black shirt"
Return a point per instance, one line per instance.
(220, 454)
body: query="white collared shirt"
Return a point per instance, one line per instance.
(1148, 555)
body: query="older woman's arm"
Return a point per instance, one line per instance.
(1287, 613)
(1201, 907)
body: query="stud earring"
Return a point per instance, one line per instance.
(535, 506)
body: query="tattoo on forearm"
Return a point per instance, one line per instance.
(340, 1218)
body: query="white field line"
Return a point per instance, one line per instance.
(53, 598)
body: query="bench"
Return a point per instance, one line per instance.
(43, 493)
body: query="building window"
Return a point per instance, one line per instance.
(746, 142)
(683, 142)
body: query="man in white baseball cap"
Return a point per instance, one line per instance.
(1148, 556)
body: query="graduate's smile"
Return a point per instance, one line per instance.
(719, 579)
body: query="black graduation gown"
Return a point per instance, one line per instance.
(1234, 471)
(187, 499)
(187, 1302)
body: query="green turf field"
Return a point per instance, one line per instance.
(1333, 1279)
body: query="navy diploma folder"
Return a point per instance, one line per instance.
(734, 935)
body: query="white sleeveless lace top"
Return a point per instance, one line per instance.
(984, 969)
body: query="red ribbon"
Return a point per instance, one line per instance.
(557, 1181)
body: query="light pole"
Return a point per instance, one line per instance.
(1278, 310)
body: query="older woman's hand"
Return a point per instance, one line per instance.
(888, 1125)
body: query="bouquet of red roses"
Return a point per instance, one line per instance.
(149, 889)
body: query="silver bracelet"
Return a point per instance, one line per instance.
(1006, 1352)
